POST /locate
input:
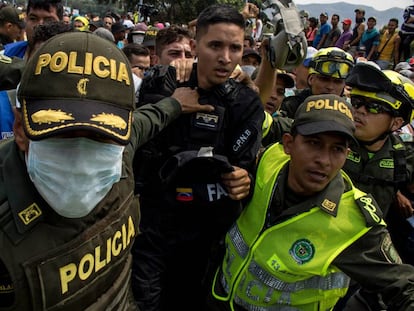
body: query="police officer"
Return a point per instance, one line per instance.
(300, 238)
(328, 69)
(184, 217)
(68, 216)
(380, 164)
(382, 102)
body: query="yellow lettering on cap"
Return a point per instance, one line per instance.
(328, 105)
(113, 69)
(123, 74)
(88, 63)
(67, 274)
(101, 72)
(42, 61)
(58, 62)
(72, 67)
(310, 105)
(101, 66)
(319, 104)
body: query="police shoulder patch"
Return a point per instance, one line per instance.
(370, 210)
(389, 251)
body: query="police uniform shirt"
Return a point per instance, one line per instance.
(378, 268)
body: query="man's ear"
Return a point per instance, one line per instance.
(287, 140)
(397, 122)
(193, 46)
(19, 135)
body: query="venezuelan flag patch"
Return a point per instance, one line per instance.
(184, 194)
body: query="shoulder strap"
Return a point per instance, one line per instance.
(386, 42)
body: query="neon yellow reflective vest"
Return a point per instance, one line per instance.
(288, 266)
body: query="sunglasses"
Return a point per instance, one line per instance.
(371, 106)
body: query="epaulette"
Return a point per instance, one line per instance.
(370, 209)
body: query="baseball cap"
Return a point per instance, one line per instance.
(347, 21)
(372, 17)
(12, 15)
(402, 66)
(324, 14)
(250, 51)
(77, 81)
(117, 27)
(309, 54)
(150, 35)
(289, 82)
(141, 27)
(324, 113)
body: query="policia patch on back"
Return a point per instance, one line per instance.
(370, 209)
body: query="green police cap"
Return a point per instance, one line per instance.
(324, 113)
(77, 81)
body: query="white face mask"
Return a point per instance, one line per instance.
(73, 174)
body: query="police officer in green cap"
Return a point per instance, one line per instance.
(68, 215)
(380, 163)
(307, 229)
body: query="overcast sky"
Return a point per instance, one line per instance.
(377, 4)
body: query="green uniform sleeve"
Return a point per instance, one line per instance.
(374, 263)
(150, 119)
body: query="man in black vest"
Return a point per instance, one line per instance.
(194, 175)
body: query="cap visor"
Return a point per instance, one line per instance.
(323, 127)
(44, 118)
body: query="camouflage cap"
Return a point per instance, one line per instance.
(77, 81)
(324, 113)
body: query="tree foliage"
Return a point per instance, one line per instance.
(174, 11)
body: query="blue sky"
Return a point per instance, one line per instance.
(377, 4)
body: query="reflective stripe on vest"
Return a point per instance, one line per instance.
(288, 266)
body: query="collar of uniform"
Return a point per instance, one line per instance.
(328, 199)
(25, 203)
(391, 143)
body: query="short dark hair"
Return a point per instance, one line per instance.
(169, 35)
(218, 13)
(135, 49)
(395, 20)
(46, 5)
(250, 39)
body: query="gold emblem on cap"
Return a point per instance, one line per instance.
(81, 86)
(5, 59)
(329, 205)
(51, 116)
(30, 213)
(109, 119)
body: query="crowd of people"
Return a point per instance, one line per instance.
(224, 164)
